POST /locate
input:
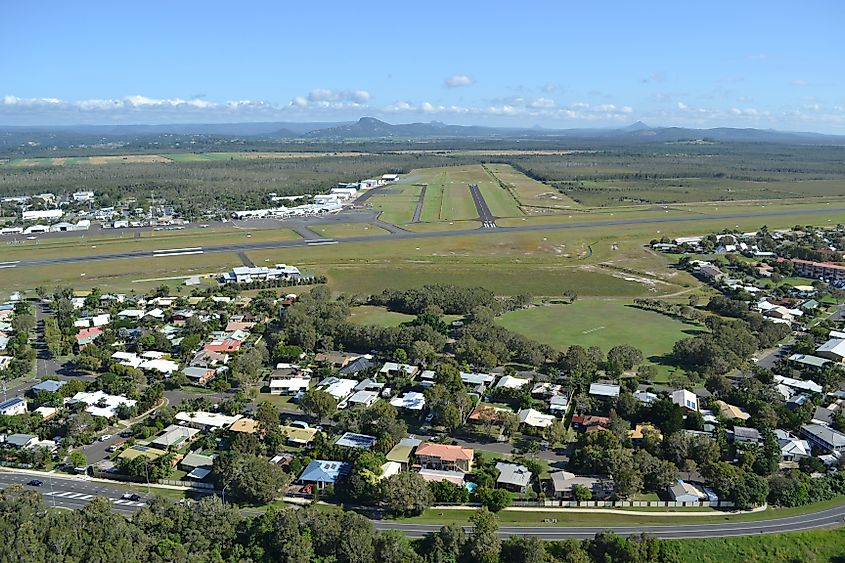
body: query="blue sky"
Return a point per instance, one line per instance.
(761, 64)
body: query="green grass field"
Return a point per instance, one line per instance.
(530, 192)
(814, 546)
(509, 280)
(369, 315)
(398, 204)
(341, 230)
(593, 322)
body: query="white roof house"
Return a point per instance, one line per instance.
(162, 366)
(604, 390)
(510, 382)
(411, 401)
(535, 418)
(127, 359)
(804, 385)
(203, 419)
(289, 385)
(101, 404)
(131, 314)
(833, 349)
(686, 399)
(337, 387)
(360, 398)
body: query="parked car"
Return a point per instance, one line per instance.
(106, 437)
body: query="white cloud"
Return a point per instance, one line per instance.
(682, 106)
(459, 81)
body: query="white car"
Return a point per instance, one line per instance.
(106, 437)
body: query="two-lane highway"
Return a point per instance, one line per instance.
(74, 493)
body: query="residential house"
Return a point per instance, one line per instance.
(442, 456)
(513, 477)
(337, 387)
(86, 336)
(363, 399)
(337, 360)
(401, 453)
(511, 382)
(833, 349)
(20, 441)
(357, 365)
(392, 369)
(535, 418)
(590, 423)
(687, 492)
(410, 401)
(792, 448)
(824, 438)
(13, 406)
(563, 482)
(245, 426)
(209, 359)
(743, 436)
(199, 375)
(732, 411)
(558, 404)
(436, 475)
(174, 436)
(604, 390)
(299, 436)
(357, 441)
(101, 404)
(206, 420)
(321, 473)
(685, 399)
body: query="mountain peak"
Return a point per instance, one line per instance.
(638, 126)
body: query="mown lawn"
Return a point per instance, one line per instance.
(593, 322)
(341, 230)
(370, 315)
(504, 281)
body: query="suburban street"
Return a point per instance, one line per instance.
(399, 233)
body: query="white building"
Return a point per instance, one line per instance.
(83, 196)
(206, 420)
(100, 403)
(247, 274)
(37, 215)
(686, 399)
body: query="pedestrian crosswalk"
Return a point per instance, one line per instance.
(70, 495)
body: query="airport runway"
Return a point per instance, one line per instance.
(402, 234)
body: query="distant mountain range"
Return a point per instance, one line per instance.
(370, 128)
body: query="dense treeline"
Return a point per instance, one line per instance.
(209, 531)
(195, 188)
(449, 299)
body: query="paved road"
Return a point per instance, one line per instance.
(74, 493)
(424, 235)
(675, 528)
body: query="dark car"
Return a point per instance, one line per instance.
(35, 483)
(132, 496)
